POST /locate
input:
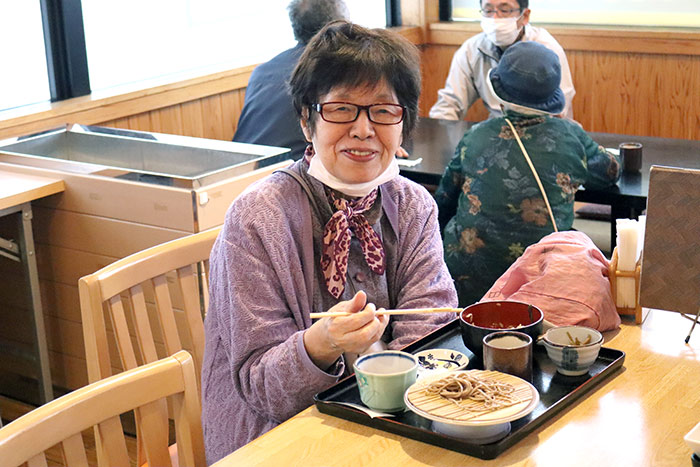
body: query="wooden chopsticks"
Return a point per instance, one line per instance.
(382, 311)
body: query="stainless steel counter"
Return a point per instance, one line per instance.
(140, 156)
(124, 191)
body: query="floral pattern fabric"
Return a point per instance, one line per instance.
(489, 203)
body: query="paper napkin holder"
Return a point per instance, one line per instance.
(614, 273)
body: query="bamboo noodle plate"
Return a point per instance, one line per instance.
(556, 393)
(469, 420)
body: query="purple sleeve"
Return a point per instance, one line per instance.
(260, 306)
(422, 273)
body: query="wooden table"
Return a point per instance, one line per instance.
(435, 141)
(17, 191)
(637, 417)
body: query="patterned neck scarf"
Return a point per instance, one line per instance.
(309, 153)
(345, 222)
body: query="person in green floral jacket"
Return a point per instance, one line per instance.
(490, 205)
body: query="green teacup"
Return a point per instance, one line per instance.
(383, 378)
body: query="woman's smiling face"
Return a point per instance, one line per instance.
(359, 151)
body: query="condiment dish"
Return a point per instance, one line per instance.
(573, 348)
(431, 361)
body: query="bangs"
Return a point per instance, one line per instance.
(353, 70)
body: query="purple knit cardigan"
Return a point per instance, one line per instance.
(256, 371)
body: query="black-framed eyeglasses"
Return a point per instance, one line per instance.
(346, 112)
(505, 12)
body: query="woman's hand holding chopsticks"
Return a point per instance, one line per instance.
(358, 326)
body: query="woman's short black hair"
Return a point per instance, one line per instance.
(345, 54)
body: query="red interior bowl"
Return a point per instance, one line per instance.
(480, 319)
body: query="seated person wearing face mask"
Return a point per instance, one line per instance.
(505, 22)
(490, 203)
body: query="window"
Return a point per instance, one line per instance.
(369, 13)
(131, 41)
(135, 40)
(673, 13)
(24, 78)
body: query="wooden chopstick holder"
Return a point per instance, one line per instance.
(381, 311)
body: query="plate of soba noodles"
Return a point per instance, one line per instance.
(474, 405)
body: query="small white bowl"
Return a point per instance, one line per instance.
(573, 348)
(692, 439)
(432, 361)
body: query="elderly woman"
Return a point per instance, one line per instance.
(491, 202)
(339, 231)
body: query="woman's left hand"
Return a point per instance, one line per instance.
(401, 153)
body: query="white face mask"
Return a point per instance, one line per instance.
(501, 31)
(320, 173)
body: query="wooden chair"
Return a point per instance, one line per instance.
(100, 404)
(155, 301)
(140, 295)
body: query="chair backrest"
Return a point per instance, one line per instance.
(155, 301)
(99, 405)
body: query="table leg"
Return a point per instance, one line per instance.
(29, 262)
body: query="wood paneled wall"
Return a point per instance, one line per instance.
(214, 117)
(636, 82)
(205, 106)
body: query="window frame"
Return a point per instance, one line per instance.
(66, 52)
(66, 55)
(445, 12)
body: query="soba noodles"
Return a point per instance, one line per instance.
(463, 387)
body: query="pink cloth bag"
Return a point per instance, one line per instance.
(566, 276)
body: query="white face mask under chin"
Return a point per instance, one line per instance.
(320, 173)
(501, 31)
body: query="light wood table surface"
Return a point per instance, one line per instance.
(637, 417)
(17, 188)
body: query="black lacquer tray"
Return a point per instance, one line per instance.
(556, 393)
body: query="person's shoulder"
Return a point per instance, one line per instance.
(266, 199)
(291, 54)
(485, 125)
(474, 42)
(403, 190)
(567, 130)
(568, 125)
(287, 57)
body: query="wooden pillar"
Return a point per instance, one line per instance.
(420, 13)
